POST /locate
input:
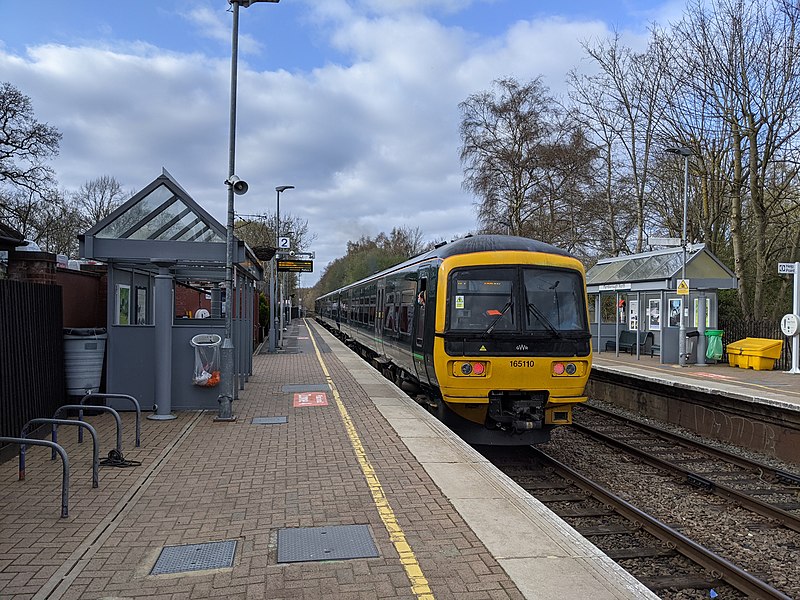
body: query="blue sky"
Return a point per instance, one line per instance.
(355, 102)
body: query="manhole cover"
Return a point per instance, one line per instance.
(195, 557)
(268, 420)
(325, 543)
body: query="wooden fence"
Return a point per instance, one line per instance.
(32, 381)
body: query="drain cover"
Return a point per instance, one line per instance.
(268, 420)
(309, 387)
(325, 543)
(195, 557)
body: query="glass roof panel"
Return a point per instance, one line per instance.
(124, 223)
(606, 272)
(637, 268)
(162, 216)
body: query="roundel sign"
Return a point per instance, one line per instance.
(790, 324)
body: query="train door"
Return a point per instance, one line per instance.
(419, 345)
(380, 306)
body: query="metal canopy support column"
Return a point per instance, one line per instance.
(162, 341)
(701, 327)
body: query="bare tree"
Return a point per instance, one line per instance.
(526, 160)
(622, 103)
(735, 71)
(502, 131)
(25, 143)
(98, 198)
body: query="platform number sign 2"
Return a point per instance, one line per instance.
(283, 243)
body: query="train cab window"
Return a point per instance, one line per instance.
(481, 299)
(555, 300)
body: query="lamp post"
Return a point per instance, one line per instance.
(276, 322)
(235, 186)
(685, 153)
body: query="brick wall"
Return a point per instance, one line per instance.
(35, 267)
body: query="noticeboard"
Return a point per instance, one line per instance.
(295, 266)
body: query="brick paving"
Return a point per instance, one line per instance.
(202, 481)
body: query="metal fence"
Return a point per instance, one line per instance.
(31, 353)
(738, 329)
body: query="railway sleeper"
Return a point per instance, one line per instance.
(640, 552)
(603, 530)
(570, 513)
(560, 497)
(686, 582)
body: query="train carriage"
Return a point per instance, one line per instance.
(492, 331)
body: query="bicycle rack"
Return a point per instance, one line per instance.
(64, 460)
(54, 423)
(123, 397)
(81, 407)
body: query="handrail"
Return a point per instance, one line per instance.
(54, 423)
(81, 407)
(123, 397)
(64, 469)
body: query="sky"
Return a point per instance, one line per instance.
(353, 102)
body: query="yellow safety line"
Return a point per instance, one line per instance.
(419, 583)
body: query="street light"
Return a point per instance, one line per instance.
(274, 276)
(685, 153)
(235, 186)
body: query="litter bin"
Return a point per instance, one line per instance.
(206, 359)
(691, 346)
(759, 354)
(84, 350)
(714, 344)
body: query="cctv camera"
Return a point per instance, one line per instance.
(239, 186)
(291, 252)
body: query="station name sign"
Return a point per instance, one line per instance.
(786, 268)
(292, 265)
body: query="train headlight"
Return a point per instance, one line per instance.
(470, 368)
(568, 369)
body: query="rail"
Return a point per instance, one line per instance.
(64, 462)
(737, 577)
(117, 396)
(81, 407)
(55, 423)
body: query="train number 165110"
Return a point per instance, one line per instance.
(517, 364)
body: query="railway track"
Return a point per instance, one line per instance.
(769, 492)
(725, 524)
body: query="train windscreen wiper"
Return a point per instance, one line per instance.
(500, 316)
(543, 320)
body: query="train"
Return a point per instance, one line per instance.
(490, 332)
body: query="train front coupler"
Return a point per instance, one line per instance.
(519, 411)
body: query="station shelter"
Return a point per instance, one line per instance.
(159, 239)
(639, 293)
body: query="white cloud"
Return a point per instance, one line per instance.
(370, 145)
(212, 24)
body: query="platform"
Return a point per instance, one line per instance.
(247, 509)
(773, 388)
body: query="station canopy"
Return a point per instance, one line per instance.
(660, 270)
(162, 225)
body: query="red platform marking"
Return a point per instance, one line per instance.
(712, 375)
(310, 399)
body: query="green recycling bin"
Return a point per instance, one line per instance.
(714, 344)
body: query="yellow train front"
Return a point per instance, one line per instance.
(512, 348)
(491, 330)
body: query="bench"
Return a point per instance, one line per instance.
(628, 340)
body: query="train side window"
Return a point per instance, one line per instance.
(419, 312)
(389, 313)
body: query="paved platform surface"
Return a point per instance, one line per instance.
(445, 523)
(775, 388)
